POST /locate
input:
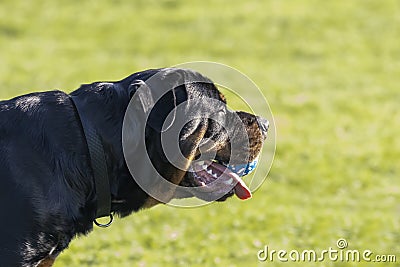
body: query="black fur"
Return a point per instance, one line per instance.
(47, 193)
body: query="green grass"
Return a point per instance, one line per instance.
(331, 73)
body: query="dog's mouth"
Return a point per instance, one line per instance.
(216, 171)
(212, 179)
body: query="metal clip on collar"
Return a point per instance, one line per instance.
(101, 225)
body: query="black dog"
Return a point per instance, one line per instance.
(62, 162)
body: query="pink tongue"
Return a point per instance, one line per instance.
(242, 191)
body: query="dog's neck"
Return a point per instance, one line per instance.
(97, 160)
(105, 106)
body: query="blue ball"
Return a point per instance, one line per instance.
(243, 169)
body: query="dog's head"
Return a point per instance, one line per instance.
(189, 136)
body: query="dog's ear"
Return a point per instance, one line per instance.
(156, 110)
(164, 112)
(150, 107)
(154, 101)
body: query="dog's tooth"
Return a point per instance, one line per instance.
(209, 171)
(215, 175)
(203, 184)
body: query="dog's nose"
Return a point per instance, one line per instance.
(264, 125)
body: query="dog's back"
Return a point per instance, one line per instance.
(38, 134)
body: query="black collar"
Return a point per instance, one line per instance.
(97, 160)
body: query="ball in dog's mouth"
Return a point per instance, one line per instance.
(215, 178)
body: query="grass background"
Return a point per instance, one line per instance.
(330, 71)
